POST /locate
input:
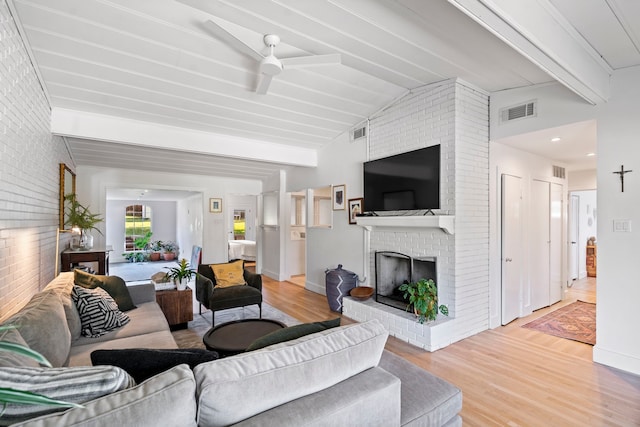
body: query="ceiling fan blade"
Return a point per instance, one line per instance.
(263, 84)
(232, 40)
(311, 60)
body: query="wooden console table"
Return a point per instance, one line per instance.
(177, 307)
(69, 257)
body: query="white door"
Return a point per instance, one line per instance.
(574, 232)
(511, 247)
(555, 243)
(540, 245)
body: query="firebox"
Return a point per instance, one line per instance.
(393, 269)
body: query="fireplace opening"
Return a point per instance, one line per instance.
(393, 269)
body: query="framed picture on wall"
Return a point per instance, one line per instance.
(339, 195)
(355, 208)
(215, 205)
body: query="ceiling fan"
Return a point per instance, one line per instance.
(270, 65)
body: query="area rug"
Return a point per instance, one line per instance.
(201, 323)
(576, 321)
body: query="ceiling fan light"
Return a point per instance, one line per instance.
(270, 65)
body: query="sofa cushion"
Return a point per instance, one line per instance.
(75, 385)
(284, 372)
(80, 355)
(229, 274)
(114, 285)
(43, 325)
(292, 332)
(98, 312)
(427, 400)
(163, 400)
(146, 318)
(368, 399)
(143, 363)
(11, 359)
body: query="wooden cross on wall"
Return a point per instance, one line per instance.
(621, 172)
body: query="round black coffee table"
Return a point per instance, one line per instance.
(234, 337)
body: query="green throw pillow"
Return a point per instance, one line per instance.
(292, 332)
(114, 285)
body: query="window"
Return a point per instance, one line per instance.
(239, 224)
(137, 223)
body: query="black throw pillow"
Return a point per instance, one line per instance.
(143, 363)
(292, 332)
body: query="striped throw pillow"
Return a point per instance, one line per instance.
(98, 312)
(76, 385)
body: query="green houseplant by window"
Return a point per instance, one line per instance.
(9, 395)
(423, 298)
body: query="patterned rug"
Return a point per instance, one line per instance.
(192, 337)
(576, 321)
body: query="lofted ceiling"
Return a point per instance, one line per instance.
(119, 66)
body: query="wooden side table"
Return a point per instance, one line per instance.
(68, 258)
(177, 307)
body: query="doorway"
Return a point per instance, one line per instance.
(241, 229)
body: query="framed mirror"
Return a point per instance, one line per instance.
(67, 186)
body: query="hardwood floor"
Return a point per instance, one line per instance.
(509, 376)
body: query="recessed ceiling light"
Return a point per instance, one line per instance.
(555, 139)
(591, 154)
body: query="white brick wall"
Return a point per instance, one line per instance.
(456, 116)
(29, 174)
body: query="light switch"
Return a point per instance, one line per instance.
(622, 225)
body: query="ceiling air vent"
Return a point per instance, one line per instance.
(522, 111)
(559, 172)
(358, 133)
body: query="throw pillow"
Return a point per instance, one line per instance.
(98, 312)
(229, 274)
(10, 358)
(114, 285)
(144, 363)
(75, 385)
(164, 400)
(291, 333)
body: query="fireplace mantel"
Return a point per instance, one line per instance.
(445, 222)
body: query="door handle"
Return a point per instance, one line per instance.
(508, 260)
(573, 243)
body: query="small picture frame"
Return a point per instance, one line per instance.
(215, 205)
(355, 208)
(339, 197)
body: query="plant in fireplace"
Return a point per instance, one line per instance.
(423, 298)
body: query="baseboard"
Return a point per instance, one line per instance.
(616, 360)
(314, 287)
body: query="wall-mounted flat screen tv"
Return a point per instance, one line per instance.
(407, 181)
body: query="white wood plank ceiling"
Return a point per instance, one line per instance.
(113, 67)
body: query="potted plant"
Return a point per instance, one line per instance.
(156, 249)
(135, 256)
(80, 218)
(181, 274)
(170, 248)
(143, 243)
(423, 298)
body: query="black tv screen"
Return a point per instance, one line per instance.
(407, 181)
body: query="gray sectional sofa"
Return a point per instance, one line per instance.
(338, 377)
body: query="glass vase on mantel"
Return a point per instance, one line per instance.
(82, 241)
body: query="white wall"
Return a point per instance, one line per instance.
(339, 163)
(94, 181)
(29, 176)
(163, 224)
(583, 180)
(189, 221)
(618, 129)
(529, 167)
